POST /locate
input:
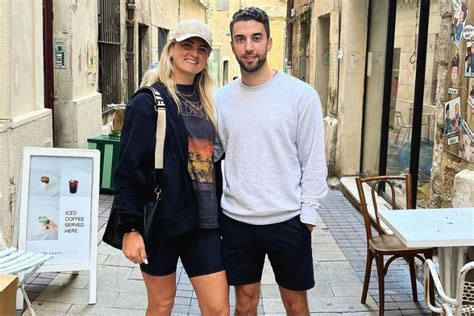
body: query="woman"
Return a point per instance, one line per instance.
(186, 225)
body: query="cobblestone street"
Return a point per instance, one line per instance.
(339, 261)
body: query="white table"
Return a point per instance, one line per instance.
(450, 229)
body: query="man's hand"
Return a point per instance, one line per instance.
(310, 227)
(133, 247)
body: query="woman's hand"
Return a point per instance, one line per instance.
(133, 247)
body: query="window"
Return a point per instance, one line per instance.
(222, 5)
(109, 52)
(162, 40)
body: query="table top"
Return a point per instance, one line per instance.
(448, 227)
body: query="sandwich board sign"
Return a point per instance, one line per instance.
(59, 209)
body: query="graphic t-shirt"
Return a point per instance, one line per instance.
(200, 146)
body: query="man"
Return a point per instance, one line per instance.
(270, 127)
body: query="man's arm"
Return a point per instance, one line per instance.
(311, 154)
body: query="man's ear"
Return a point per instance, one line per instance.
(269, 44)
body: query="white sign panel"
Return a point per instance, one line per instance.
(59, 205)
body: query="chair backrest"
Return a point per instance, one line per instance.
(465, 290)
(398, 116)
(377, 184)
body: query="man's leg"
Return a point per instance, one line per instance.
(289, 251)
(295, 302)
(243, 258)
(247, 297)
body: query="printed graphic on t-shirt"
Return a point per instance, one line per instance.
(191, 108)
(200, 144)
(200, 151)
(200, 162)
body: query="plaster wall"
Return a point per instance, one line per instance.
(74, 119)
(351, 86)
(23, 119)
(5, 53)
(78, 106)
(26, 59)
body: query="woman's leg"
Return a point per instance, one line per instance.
(212, 292)
(161, 291)
(202, 259)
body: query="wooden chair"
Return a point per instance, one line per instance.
(383, 244)
(463, 304)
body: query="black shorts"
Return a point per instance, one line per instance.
(200, 251)
(287, 244)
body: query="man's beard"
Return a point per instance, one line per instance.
(260, 62)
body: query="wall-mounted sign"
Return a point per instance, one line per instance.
(58, 208)
(60, 47)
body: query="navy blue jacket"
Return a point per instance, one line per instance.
(135, 177)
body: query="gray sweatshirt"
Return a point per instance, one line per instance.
(273, 139)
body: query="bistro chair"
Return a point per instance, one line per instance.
(402, 125)
(23, 264)
(463, 304)
(382, 244)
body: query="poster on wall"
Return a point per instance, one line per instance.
(452, 116)
(459, 21)
(459, 111)
(59, 206)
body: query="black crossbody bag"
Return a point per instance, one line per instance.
(113, 236)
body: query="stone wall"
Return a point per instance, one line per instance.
(445, 165)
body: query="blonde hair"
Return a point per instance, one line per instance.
(163, 74)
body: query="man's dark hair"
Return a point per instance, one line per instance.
(251, 13)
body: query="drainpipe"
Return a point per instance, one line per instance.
(289, 36)
(130, 54)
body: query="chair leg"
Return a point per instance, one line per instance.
(368, 270)
(28, 303)
(398, 134)
(411, 264)
(429, 255)
(381, 275)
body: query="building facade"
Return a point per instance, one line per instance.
(384, 72)
(24, 118)
(62, 63)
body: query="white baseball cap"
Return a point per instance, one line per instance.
(192, 28)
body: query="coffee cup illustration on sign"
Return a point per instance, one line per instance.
(73, 186)
(46, 223)
(44, 220)
(44, 182)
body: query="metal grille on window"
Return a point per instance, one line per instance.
(109, 51)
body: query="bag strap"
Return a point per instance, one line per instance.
(160, 109)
